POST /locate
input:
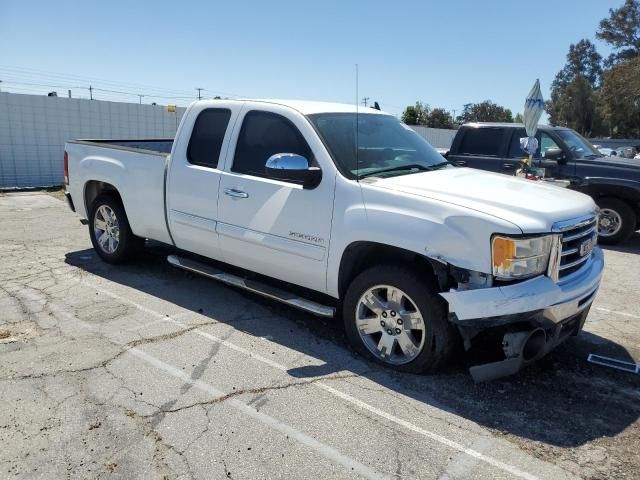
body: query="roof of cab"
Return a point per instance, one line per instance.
(310, 107)
(508, 125)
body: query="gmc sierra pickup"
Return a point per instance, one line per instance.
(328, 208)
(613, 182)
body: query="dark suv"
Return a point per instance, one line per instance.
(613, 182)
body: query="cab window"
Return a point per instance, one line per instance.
(485, 141)
(207, 137)
(545, 143)
(264, 134)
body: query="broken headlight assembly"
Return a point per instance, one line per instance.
(516, 258)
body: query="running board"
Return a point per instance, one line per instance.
(252, 286)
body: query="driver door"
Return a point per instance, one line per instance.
(553, 168)
(274, 227)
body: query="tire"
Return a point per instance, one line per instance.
(617, 218)
(428, 350)
(107, 215)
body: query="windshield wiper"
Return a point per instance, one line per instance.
(413, 166)
(438, 165)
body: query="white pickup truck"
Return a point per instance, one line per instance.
(329, 208)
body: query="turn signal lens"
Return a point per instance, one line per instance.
(516, 258)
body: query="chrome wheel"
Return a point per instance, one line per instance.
(390, 325)
(106, 229)
(609, 223)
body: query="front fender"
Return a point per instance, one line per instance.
(438, 230)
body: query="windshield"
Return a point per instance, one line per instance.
(579, 145)
(386, 147)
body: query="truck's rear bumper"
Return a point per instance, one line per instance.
(67, 197)
(558, 301)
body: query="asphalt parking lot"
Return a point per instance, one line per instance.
(145, 371)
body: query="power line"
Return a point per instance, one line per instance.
(31, 73)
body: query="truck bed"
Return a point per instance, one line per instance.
(156, 145)
(134, 167)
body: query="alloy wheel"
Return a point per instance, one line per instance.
(106, 229)
(390, 325)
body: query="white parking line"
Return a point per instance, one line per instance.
(325, 450)
(337, 393)
(617, 312)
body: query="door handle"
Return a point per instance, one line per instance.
(460, 163)
(507, 166)
(232, 192)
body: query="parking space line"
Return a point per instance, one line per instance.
(337, 393)
(325, 450)
(322, 448)
(617, 312)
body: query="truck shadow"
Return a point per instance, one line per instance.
(630, 246)
(561, 400)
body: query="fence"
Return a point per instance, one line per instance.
(34, 128)
(437, 137)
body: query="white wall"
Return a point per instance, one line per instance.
(437, 137)
(34, 128)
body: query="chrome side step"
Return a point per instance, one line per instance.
(252, 286)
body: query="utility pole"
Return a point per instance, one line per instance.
(140, 98)
(199, 90)
(90, 92)
(365, 100)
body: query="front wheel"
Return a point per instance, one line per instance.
(110, 232)
(617, 221)
(393, 316)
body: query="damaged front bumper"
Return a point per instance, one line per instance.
(553, 310)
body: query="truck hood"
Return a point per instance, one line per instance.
(532, 206)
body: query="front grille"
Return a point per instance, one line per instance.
(574, 239)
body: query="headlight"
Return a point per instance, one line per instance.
(516, 258)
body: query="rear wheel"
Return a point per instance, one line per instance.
(395, 317)
(110, 232)
(617, 220)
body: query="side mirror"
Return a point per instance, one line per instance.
(555, 154)
(290, 167)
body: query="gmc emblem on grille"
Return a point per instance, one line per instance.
(587, 246)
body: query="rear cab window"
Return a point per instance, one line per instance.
(483, 141)
(207, 136)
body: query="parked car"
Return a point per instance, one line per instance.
(607, 152)
(416, 255)
(613, 182)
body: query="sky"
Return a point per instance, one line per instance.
(444, 53)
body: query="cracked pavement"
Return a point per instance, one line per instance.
(145, 371)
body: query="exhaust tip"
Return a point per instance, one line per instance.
(534, 346)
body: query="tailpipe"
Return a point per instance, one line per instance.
(520, 348)
(528, 345)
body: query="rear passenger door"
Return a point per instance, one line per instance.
(480, 147)
(194, 177)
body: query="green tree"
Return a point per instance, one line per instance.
(486, 111)
(621, 30)
(439, 118)
(416, 115)
(620, 99)
(574, 94)
(519, 118)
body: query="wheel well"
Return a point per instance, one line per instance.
(93, 188)
(360, 255)
(626, 194)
